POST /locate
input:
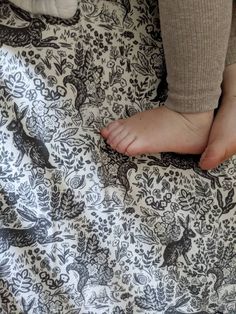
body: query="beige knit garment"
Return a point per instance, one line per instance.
(195, 38)
(231, 55)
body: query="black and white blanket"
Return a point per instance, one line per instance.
(84, 229)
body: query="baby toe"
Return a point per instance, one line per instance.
(124, 144)
(115, 140)
(112, 127)
(213, 156)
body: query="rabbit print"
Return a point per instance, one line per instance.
(27, 237)
(27, 35)
(181, 247)
(26, 144)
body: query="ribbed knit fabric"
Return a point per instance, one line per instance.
(195, 38)
(231, 54)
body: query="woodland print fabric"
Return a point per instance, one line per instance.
(84, 229)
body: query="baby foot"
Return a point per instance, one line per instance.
(222, 140)
(160, 130)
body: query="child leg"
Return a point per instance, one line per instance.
(58, 8)
(222, 140)
(193, 31)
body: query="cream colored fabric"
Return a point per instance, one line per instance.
(58, 8)
(195, 37)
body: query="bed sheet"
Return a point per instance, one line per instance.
(84, 229)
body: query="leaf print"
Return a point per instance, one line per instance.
(229, 197)
(149, 44)
(146, 240)
(22, 282)
(66, 134)
(67, 208)
(67, 200)
(203, 189)
(5, 293)
(220, 199)
(229, 253)
(184, 194)
(92, 247)
(150, 301)
(72, 142)
(203, 206)
(61, 115)
(77, 213)
(147, 231)
(228, 208)
(141, 69)
(68, 211)
(27, 306)
(4, 268)
(14, 85)
(87, 62)
(143, 60)
(79, 53)
(220, 249)
(161, 293)
(186, 201)
(26, 194)
(118, 310)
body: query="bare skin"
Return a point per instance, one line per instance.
(164, 130)
(222, 140)
(160, 130)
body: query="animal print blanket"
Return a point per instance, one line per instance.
(84, 229)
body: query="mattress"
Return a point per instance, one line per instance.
(84, 229)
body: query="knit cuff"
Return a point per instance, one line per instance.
(231, 54)
(187, 105)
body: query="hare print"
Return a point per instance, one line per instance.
(27, 35)
(26, 237)
(26, 144)
(181, 247)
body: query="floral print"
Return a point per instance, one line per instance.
(84, 229)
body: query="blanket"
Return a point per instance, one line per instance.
(84, 229)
